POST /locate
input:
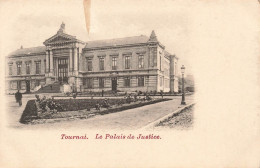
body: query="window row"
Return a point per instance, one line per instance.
(22, 84)
(27, 68)
(89, 82)
(127, 61)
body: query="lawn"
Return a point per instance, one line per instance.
(182, 120)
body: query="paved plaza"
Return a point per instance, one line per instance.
(131, 119)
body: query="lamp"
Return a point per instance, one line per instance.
(183, 92)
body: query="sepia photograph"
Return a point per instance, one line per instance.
(129, 83)
(141, 77)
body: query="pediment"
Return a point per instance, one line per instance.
(60, 38)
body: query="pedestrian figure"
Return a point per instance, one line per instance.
(18, 97)
(161, 93)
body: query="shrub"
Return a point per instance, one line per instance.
(106, 103)
(74, 95)
(29, 112)
(97, 106)
(48, 103)
(128, 99)
(154, 92)
(139, 93)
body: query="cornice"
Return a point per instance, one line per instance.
(119, 71)
(26, 55)
(114, 47)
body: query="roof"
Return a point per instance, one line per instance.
(142, 39)
(25, 51)
(117, 42)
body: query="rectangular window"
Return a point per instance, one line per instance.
(101, 63)
(114, 59)
(38, 67)
(18, 85)
(140, 80)
(101, 82)
(13, 84)
(37, 83)
(28, 68)
(19, 68)
(89, 65)
(127, 62)
(10, 70)
(127, 81)
(140, 61)
(89, 82)
(73, 58)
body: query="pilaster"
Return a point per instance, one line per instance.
(172, 75)
(47, 62)
(75, 59)
(70, 60)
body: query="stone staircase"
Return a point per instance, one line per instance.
(51, 88)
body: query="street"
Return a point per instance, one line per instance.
(131, 119)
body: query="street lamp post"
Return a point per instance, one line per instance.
(183, 92)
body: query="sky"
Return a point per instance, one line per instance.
(30, 23)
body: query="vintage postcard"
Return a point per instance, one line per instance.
(130, 83)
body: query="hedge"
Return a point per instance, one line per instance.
(30, 112)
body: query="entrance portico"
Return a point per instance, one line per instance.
(62, 55)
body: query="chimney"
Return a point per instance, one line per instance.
(21, 46)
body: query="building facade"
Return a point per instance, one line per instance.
(125, 64)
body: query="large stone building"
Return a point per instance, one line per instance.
(125, 64)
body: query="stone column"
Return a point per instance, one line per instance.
(47, 61)
(71, 75)
(75, 59)
(51, 63)
(48, 78)
(70, 66)
(76, 68)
